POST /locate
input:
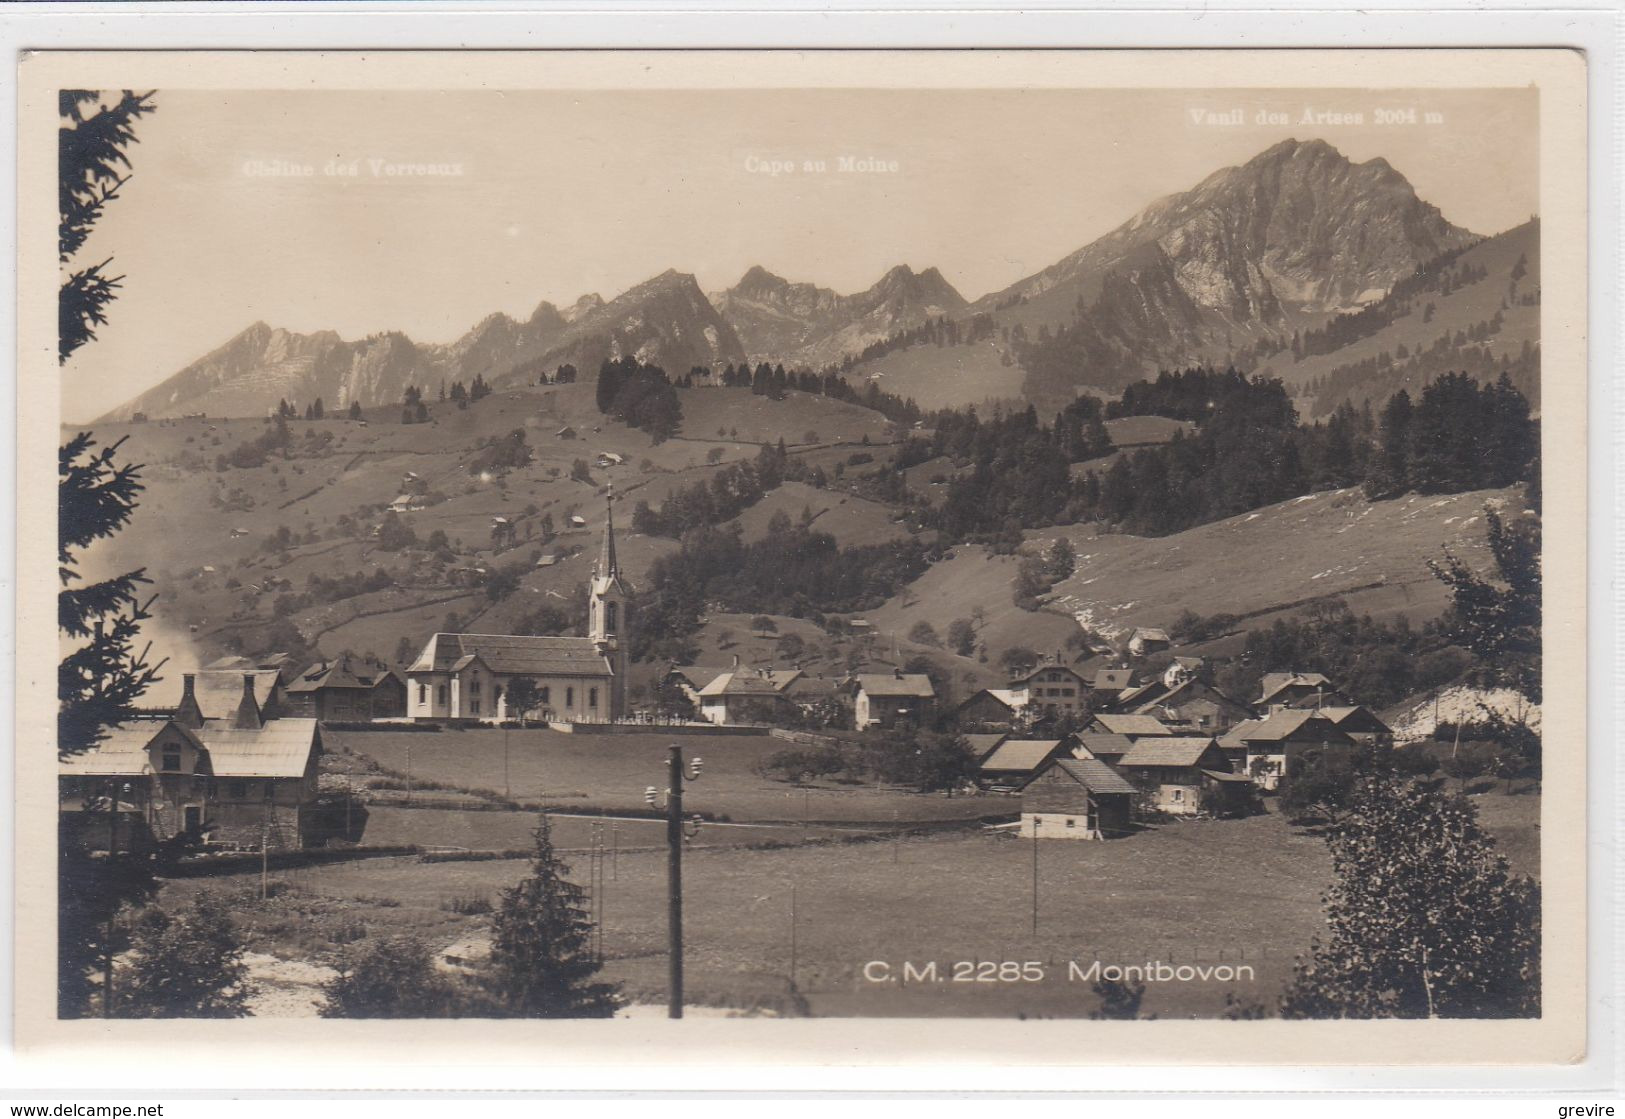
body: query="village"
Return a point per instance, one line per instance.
(238, 759)
(362, 778)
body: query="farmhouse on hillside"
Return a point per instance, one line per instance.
(1072, 798)
(234, 778)
(1143, 641)
(465, 676)
(341, 691)
(882, 700)
(1261, 748)
(1181, 773)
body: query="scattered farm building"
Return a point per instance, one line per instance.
(1179, 773)
(1195, 705)
(1143, 641)
(1132, 727)
(1283, 690)
(1359, 723)
(990, 707)
(342, 691)
(1262, 748)
(881, 700)
(749, 696)
(1072, 798)
(1015, 760)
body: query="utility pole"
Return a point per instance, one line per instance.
(507, 788)
(674, 882)
(792, 936)
(1035, 874)
(107, 944)
(676, 832)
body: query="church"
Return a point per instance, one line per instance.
(465, 676)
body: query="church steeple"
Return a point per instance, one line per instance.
(608, 566)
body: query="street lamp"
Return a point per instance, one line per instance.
(677, 829)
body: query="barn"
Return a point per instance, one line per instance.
(1073, 798)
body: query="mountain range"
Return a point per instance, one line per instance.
(1247, 257)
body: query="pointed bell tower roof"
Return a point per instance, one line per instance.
(607, 571)
(608, 565)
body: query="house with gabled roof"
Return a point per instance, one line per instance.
(1109, 683)
(1180, 773)
(465, 676)
(1015, 760)
(1358, 722)
(1282, 690)
(1051, 687)
(690, 678)
(981, 745)
(235, 777)
(1263, 748)
(1103, 746)
(990, 707)
(1133, 727)
(744, 696)
(1193, 704)
(347, 690)
(891, 699)
(1076, 798)
(1146, 640)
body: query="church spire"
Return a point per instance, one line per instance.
(608, 566)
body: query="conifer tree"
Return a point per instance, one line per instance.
(542, 962)
(92, 167)
(187, 964)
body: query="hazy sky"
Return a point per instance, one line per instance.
(562, 193)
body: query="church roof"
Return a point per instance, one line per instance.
(513, 655)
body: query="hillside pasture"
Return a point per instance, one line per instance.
(1273, 560)
(761, 419)
(850, 519)
(945, 376)
(954, 588)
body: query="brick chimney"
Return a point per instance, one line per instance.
(187, 713)
(248, 710)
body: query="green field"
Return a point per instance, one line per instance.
(572, 772)
(1237, 892)
(476, 830)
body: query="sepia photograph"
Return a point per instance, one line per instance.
(752, 546)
